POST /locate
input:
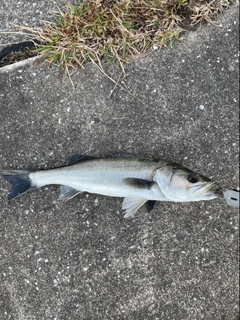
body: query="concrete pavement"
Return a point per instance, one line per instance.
(81, 259)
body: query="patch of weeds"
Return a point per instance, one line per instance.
(16, 56)
(17, 52)
(105, 30)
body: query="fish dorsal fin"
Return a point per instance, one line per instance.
(67, 193)
(75, 159)
(128, 155)
(131, 206)
(78, 158)
(138, 183)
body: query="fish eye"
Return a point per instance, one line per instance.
(192, 177)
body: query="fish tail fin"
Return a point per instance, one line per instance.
(20, 182)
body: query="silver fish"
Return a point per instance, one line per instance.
(137, 179)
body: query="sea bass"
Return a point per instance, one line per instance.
(137, 179)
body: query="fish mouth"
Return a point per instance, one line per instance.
(216, 190)
(209, 189)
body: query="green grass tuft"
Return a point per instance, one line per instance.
(118, 31)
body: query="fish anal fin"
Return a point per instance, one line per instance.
(67, 193)
(138, 183)
(131, 206)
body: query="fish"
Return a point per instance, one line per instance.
(137, 179)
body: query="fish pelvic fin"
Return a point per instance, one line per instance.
(20, 181)
(149, 205)
(67, 193)
(131, 206)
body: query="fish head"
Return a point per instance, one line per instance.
(181, 184)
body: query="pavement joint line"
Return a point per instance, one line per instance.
(19, 64)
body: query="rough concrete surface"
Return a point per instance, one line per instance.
(29, 13)
(81, 259)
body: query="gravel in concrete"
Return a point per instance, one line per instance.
(29, 13)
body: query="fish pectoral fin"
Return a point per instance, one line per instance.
(138, 183)
(67, 193)
(131, 206)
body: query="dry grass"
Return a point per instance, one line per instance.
(119, 31)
